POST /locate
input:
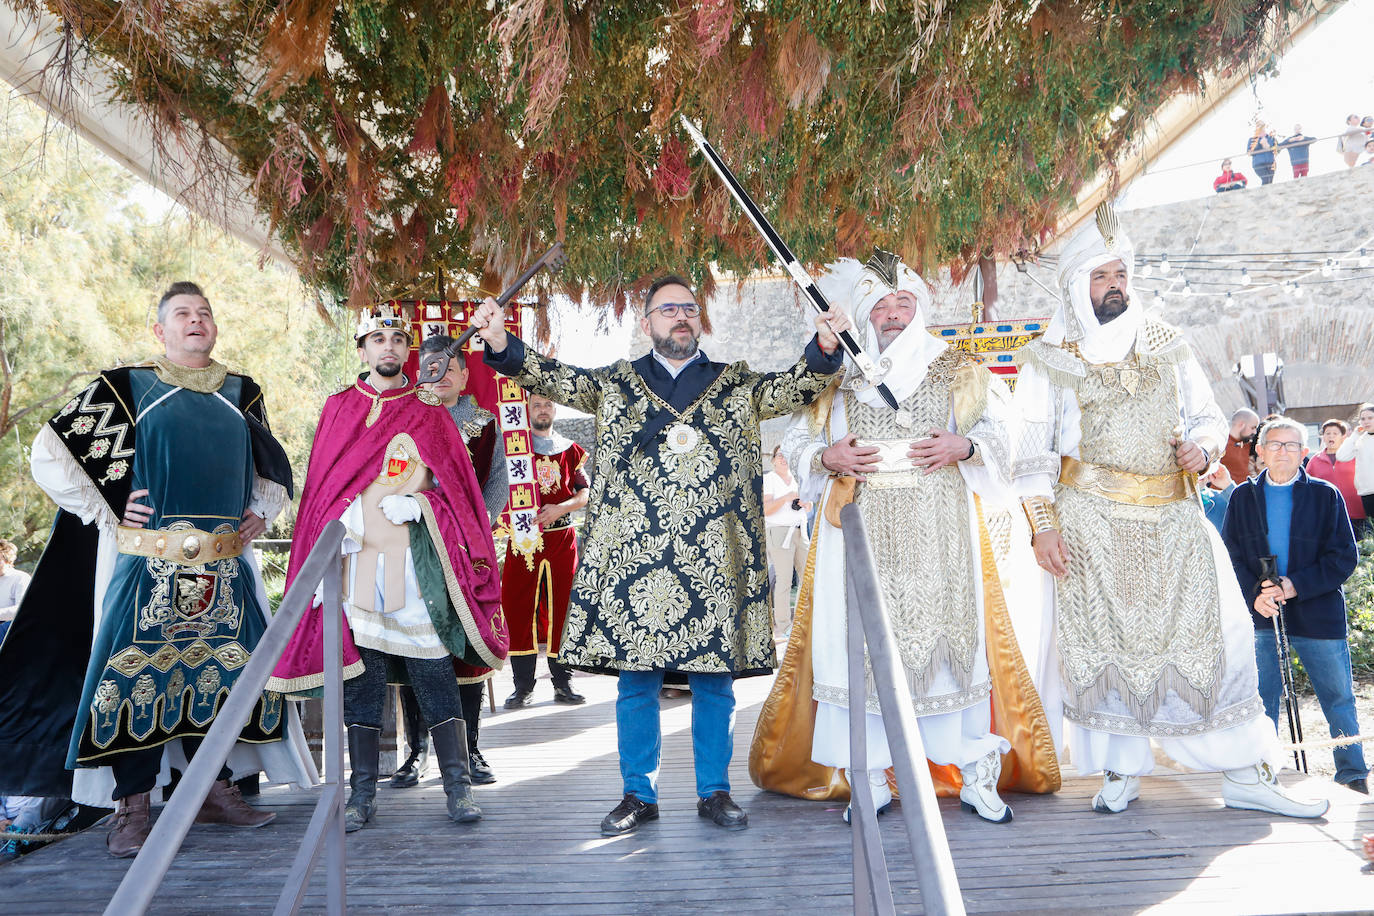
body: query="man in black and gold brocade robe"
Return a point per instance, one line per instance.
(672, 575)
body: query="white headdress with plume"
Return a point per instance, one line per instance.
(858, 288)
(1101, 242)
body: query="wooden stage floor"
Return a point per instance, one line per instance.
(1176, 850)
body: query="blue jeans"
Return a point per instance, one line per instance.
(640, 740)
(1327, 662)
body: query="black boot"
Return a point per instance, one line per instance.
(364, 749)
(409, 773)
(471, 695)
(451, 749)
(561, 676)
(522, 670)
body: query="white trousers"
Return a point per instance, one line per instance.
(959, 737)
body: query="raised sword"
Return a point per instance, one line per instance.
(789, 261)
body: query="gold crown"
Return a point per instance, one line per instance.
(384, 317)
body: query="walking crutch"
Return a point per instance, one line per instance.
(1269, 573)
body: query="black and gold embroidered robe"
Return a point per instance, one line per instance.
(673, 575)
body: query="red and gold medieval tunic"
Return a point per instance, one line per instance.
(535, 591)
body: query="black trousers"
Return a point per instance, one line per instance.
(522, 667)
(436, 691)
(469, 694)
(135, 772)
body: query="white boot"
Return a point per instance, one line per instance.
(1116, 793)
(979, 792)
(882, 795)
(1257, 788)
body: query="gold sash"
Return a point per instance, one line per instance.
(1125, 486)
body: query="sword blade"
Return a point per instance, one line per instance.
(789, 261)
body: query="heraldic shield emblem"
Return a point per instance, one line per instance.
(193, 597)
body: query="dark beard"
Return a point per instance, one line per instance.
(388, 371)
(669, 348)
(541, 427)
(1110, 307)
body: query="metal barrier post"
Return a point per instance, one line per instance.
(326, 824)
(929, 847)
(145, 875)
(872, 884)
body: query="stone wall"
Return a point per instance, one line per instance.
(1325, 337)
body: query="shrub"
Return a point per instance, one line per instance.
(1359, 602)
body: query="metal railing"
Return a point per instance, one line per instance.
(868, 624)
(326, 828)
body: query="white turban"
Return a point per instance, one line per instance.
(1101, 242)
(859, 287)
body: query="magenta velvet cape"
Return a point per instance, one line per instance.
(345, 457)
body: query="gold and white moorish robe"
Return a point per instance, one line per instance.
(1154, 637)
(923, 530)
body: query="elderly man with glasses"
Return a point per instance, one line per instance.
(1301, 522)
(672, 575)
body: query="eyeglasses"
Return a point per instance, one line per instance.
(674, 309)
(1286, 446)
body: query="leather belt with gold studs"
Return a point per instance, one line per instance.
(187, 546)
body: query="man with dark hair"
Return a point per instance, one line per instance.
(488, 456)
(163, 472)
(1300, 522)
(1229, 179)
(672, 575)
(1117, 421)
(535, 589)
(421, 582)
(1239, 453)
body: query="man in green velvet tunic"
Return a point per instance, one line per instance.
(171, 462)
(672, 577)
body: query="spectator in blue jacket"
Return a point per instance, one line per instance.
(1261, 150)
(1301, 522)
(1297, 146)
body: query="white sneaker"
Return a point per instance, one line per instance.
(1256, 788)
(882, 795)
(979, 792)
(1116, 793)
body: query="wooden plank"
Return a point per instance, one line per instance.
(1175, 850)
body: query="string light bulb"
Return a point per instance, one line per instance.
(1145, 269)
(1187, 289)
(1158, 300)
(1364, 257)
(1164, 267)
(1297, 290)
(1244, 277)
(1328, 267)
(1230, 300)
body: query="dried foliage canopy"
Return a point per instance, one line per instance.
(388, 140)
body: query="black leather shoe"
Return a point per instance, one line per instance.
(1358, 785)
(481, 770)
(722, 810)
(566, 696)
(520, 699)
(626, 816)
